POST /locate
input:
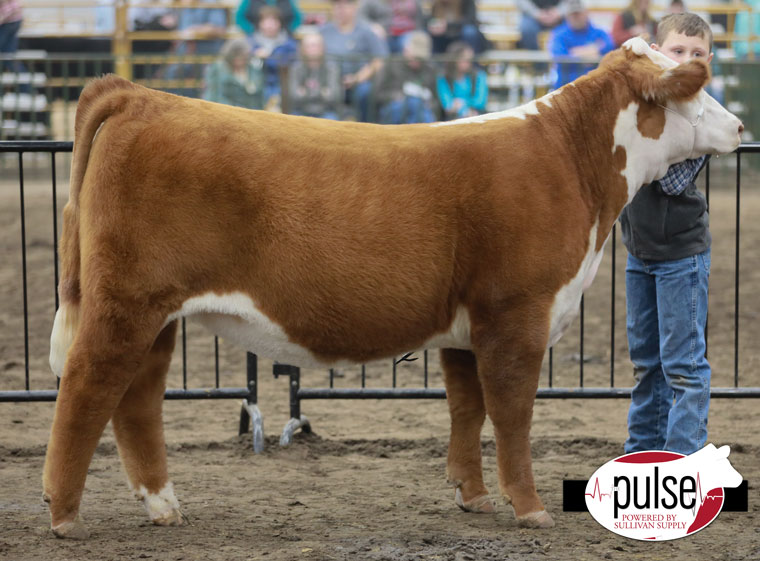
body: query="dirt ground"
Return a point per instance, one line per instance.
(369, 482)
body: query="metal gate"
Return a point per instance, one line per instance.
(250, 415)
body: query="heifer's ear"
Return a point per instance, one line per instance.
(659, 85)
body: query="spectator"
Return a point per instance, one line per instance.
(634, 21)
(313, 82)
(577, 38)
(359, 51)
(275, 47)
(235, 78)
(537, 16)
(463, 89)
(748, 23)
(455, 20)
(204, 29)
(247, 14)
(406, 93)
(392, 20)
(150, 19)
(11, 17)
(676, 7)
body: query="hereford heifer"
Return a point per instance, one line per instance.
(320, 243)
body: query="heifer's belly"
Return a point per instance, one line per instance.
(568, 300)
(236, 318)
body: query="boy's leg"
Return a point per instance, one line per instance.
(682, 304)
(651, 397)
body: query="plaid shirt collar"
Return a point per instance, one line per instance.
(680, 175)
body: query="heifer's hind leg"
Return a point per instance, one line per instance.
(465, 399)
(509, 354)
(138, 427)
(100, 366)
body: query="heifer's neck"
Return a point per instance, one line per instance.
(588, 114)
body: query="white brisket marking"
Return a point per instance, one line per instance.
(568, 299)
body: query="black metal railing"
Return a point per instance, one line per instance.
(423, 389)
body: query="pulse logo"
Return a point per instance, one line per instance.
(661, 495)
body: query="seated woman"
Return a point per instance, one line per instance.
(634, 21)
(314, 87)
(235, 78)
(462, 89)
(455, 20)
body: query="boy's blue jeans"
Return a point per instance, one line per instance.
(667, 312)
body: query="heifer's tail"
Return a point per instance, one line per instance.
(99, 100)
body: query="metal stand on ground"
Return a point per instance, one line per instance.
(297, 421)
(250, 409)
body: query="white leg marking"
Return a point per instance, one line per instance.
(163, 507)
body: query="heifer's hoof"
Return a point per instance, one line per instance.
(540, 519)
(173, 518)
(163, 507)
(479, 505)
(74, 529)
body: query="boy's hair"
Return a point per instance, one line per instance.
(688, 24)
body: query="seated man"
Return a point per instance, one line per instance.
(537, 16)
(577, 38)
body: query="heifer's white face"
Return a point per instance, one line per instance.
(718, 131)
(700, 125)
(693, 128)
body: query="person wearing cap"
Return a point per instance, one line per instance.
(577, 38)
(359, 51)
(406, 93)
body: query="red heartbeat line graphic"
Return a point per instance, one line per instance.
(703, 498)
(596, 488)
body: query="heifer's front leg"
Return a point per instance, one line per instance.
(100, 366)
(465, 399)
(138, 427)
(509, 354)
